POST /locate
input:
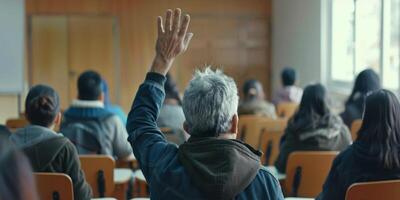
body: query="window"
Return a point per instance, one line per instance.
(365, 34)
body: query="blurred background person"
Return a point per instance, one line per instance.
(289, 93)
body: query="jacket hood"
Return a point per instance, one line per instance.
(218, 167)
(40, 144)
(32, 135)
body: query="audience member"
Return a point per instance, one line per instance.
(254, 103)
(47, 150)
(16, 178)
(375, 154)
(289, 93)
(90, 127)
(171, 113)
(313, 127)
(4, 131)
(211, 165)
(366, 82)
(117, 110)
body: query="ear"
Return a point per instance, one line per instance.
(101, 98)
(235, 124)
(57, 120)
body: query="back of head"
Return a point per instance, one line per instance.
(252, 89)
(42, 105)
(16, 179)
(288, 76)
(171, 90)
(381, 127)
(367, 81)
(209, 103)
(89, 86)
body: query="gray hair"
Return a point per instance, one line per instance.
(209, 103)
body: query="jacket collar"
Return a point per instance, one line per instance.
(87, 104)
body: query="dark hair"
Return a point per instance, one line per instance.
(171, 90)
(16, 178)
(249, 85)
(42, 105)
(367, 81)
(313, 106)
(381, 127)
(288, 76)
(89, 86)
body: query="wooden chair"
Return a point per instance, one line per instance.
(250, 129)
(286, 110)
(141, 189)
(355, 127)
(54, 186)
(306, 172)
(270, 140)
(388, 190)
(16, 123)
(99, 173)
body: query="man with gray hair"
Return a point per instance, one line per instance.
(211, 164)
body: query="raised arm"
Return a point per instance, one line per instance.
(147, 141)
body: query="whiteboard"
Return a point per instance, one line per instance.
(12, 22)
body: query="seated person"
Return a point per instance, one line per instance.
(212, 164)
(90, 127)
(4, 131)
(289, 93)
(313, 127)
(254, 103)
(171, 113)
(367, 81)
(117, 110)
(374, 156)
(47, 150)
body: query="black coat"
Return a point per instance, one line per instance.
(355, 164)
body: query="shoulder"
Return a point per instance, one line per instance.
(267, 176)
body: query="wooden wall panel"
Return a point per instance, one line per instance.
(229, 33)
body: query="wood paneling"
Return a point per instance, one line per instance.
(229, 33)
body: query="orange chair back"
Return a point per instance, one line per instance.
(388, 190)
(54, 186)
(270, 140)
(306, 172)
(99, 173)
(355, 127)
(16, 123)
(286, 110)
(250, 129)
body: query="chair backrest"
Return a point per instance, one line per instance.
(286, 110)
(388, 190)
(270, 140)
(16, 123)
(250, 129)
(54, 186)
(306, 172)
(99, 173)
(355, 127)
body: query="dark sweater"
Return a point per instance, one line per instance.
(355, 164)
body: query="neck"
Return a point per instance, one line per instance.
(228, 136)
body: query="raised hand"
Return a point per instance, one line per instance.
(173, 39)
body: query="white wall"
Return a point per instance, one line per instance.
(297, 39)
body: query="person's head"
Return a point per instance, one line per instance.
(90, 86)
(367, 81)
(42, 106)
(252, 89)
(16, 178)
(288, 76)
(313, 102)
(171, 91)
(381, 127)
(210, 105)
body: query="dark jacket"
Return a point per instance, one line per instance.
(4, 132)
(353, 111)
(356, 164)
(330, 134)
(51, 152)
(202, 168)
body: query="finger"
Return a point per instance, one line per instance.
(168, 19)
(160, 25)
(177, 20)
(188, 38)
(185, 26)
